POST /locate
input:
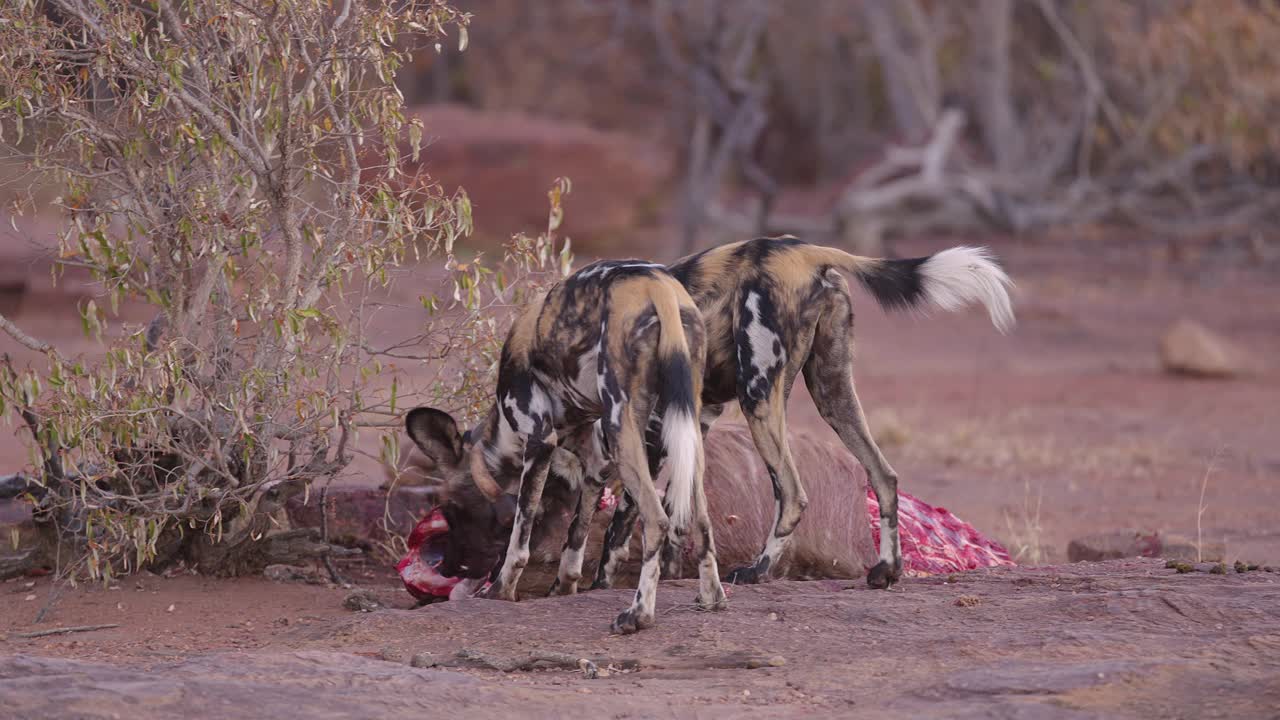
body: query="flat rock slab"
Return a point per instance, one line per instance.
(1039, 678)
(231, 685)
(1118, 639)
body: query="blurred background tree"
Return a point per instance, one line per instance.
(254, 175)
(905, 115)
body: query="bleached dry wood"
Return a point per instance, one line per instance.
(65, 630)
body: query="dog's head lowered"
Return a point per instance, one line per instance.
(478, 526)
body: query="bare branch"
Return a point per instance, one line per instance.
(28, 341)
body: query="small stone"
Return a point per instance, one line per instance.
(361, 601)
(391, 654)
(170, 608)
(1189, 348)
(285, 573)
(773, 616)
(29, 598)
(777, 661)
(423, 660)
(1142, 543)
(1116, 544)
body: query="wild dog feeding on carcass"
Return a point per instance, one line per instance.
(614, 343)
(778, 307)
(836, 539)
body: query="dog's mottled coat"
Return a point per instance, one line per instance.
(778, 307)
(588, 363)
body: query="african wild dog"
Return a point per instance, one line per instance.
(778, 307)
(587, 363)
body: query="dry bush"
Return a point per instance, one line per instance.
(236, 168)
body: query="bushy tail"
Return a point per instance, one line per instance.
(950, 280)
(680, 395)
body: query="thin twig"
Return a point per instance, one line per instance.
(1204, 483)
(66, 630)
(324, 537)
(54, 593)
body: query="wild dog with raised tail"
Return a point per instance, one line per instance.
(778, 307)
(587, 364)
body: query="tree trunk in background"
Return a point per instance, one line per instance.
(1001, 131)
(905, 44)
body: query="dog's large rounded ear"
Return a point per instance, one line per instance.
(436, 434)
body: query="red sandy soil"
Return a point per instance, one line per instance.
(1127, 639)
(1066, 427)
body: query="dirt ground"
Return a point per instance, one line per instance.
(1064, 428)
(1116, 639)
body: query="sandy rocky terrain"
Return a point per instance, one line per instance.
(1066, 428)
(1125, 638)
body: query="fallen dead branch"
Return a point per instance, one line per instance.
(537, 660)
(65, 630)
(591, 669)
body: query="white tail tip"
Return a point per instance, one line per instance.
(682, 438)
(961, 276)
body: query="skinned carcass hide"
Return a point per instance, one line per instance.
(837, 537)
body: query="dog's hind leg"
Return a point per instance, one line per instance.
(631, 466)
(768, 427)
(828, 372)
(617, 537)
(767, 354)
(710, 592)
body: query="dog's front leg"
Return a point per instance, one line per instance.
(537, 462)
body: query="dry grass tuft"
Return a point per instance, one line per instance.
(1023, 528)
(888, 428)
